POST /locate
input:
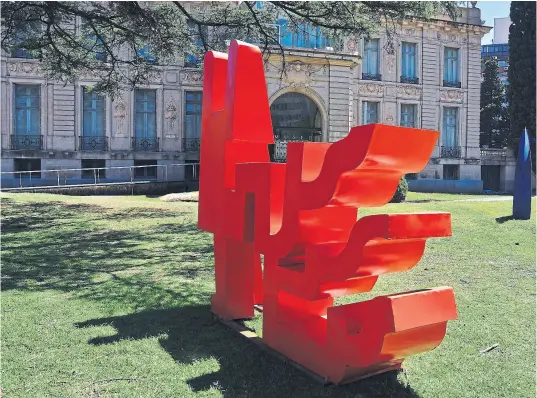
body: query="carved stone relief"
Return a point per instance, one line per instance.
(408, 91)
(389, 117)
(390, 62)
(120, 114)
(371, 89)
(171, 118)
(24, 68)
(451, 95)
(300, 74)
(191, 77)
(352, 45)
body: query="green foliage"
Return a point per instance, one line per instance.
(494, 116)
(521, 73)
(112, 39)
(401, 191)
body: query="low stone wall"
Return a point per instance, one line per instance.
(446, 186)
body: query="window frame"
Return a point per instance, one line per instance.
(185, 110)
(83, 111)
(417, 71)
(90, 174)
(378, 50)
(458, 69)
(145, 172)
(18, 173)
(415, 106)
(39, 108)
(457, 126)
(136, 111)
(370, 101)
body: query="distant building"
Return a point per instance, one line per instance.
(501, 53)
(499, 48)
(501, 30)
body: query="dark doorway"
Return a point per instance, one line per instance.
(491, 178)
(295, 117)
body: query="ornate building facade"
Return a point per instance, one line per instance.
(431, 80)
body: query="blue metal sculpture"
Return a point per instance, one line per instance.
(522, 191)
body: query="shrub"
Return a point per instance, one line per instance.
(401, 191)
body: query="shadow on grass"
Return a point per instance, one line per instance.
(501, 220)
(59, 246)
(67, 247)
(245, 370)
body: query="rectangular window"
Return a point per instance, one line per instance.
(303, 36)
(27, 165)
(27, 118)
(408, 61)
(451, 172)
(450, 130)
(93, 114)
(145, 121)
(145, 52)
(192, 170)
(148, 171)
(95, 45)
(192, 116)
(371, 58)
(93, 168)
(451, 67)
(370, 112)
(408, 115)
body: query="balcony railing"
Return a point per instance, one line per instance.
(93, 143)
(31, 142)
(410, 80)
(448, 83)
(493, 153)
(191, 144)
(450, 152)
(145, 144)
(371, 76)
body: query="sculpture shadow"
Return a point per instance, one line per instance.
(501, 220)
(192, 334)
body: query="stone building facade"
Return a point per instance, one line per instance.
(321, 95)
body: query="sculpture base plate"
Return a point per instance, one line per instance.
(255, 339)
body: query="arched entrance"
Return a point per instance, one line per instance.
(295, 117)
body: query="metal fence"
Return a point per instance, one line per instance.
(102, 176)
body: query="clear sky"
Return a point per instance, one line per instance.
(489, 11)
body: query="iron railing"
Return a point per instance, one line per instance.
(493, 153)
(103, 176)
(371, 76)
(31, 142)
(191, 144)
(410, 80)
(93, 143)
(145, 144)
(449, 83)
(450, 152)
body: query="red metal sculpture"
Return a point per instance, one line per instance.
(302, 216)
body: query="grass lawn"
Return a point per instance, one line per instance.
(109, 297)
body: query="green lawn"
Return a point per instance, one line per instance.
(109, 297)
